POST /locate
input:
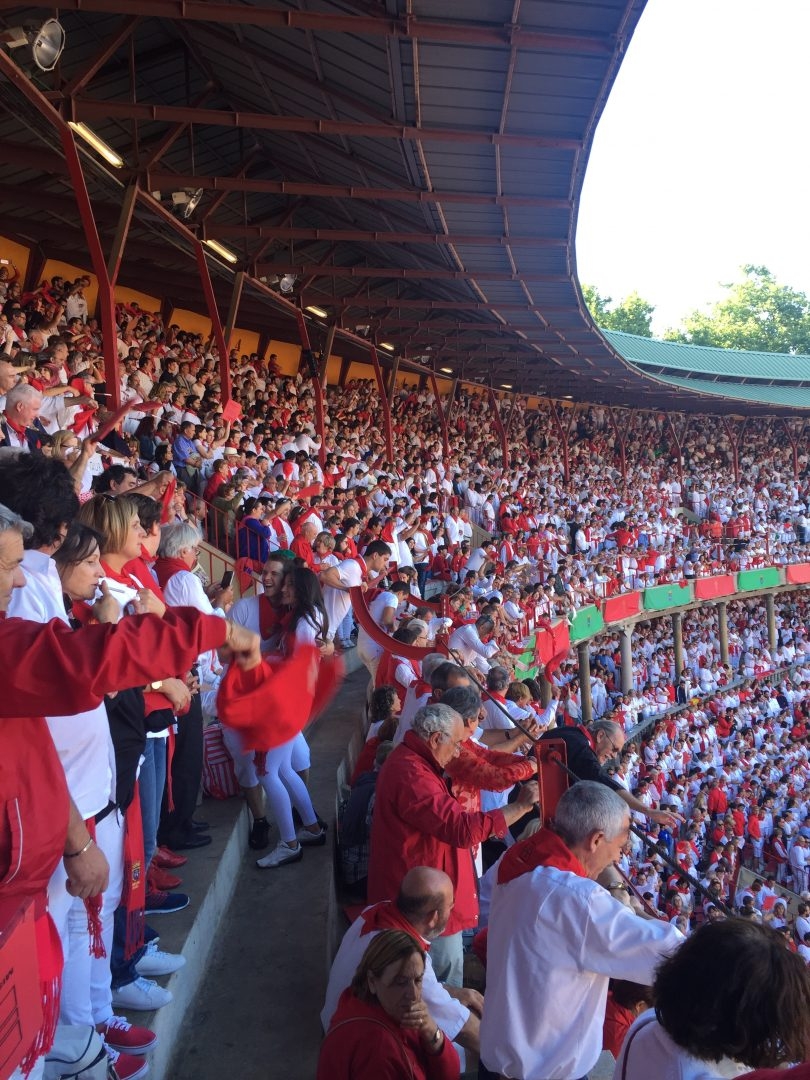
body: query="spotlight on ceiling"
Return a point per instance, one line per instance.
(46, 43)
(363, 330)
(287, 284)
(187, 201)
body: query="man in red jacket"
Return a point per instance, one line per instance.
(418, 823)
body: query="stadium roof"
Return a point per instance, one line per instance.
(779, 379)
(416, 167)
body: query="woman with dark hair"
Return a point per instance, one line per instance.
(309, 623)
(382, 1027)
(732, 996)
(306, 624)
(162, 461)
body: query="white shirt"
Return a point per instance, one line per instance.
(449, 1014)
(649, 1052)
(337, 602)
(367, 648)
(467, 642)
(554, 941)
(83, 740)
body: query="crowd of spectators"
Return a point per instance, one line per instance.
(581, 511)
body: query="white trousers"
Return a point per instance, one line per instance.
(86, 993)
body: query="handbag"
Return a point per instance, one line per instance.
(78, 1054)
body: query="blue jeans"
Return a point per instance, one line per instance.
(152, 781)
(123, 971)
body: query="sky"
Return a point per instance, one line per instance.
(700, 160)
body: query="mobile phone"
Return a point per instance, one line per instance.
(227, 578)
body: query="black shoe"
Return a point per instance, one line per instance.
(193, 840)
(200, 826)
(259, 834)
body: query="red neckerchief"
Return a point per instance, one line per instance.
(588, 736)
(545, 848)
(387, 916)
(21, 431)
(167, 568)
(420, 687)
(269, 617)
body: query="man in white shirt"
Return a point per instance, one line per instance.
(474, 645)
(556, 937)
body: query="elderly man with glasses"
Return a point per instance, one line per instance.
(589, 748)
(417, 822)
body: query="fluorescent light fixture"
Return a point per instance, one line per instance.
(506, 386)
(387, 346)
(100, 147)
(568, 397)
(446, 370)
(317, 311)
(221, 250)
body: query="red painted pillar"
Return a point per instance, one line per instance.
(564, 434)
(386, 405)
(442, 422)
(216, 322)
(106, 297)
(678, 449)
(317, 389)
(496, 413)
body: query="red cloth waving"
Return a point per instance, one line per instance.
(269, 705)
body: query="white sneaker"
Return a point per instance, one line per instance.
(282, 853)
(311, 839)
(154, 962)
(142, 994)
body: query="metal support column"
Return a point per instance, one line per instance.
(233, 307)
(442, 422)
(626, 647)
(317, 389)
(106, 296)
(216, 322)
(564, 434)
(584, 656)
(770, 608)
(386, 407)
(677, 640)
(496, 414)
(722, 629)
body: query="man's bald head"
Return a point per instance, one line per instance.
(426, 900)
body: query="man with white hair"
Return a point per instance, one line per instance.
(555, 939)
(417, 822)
(19, 425)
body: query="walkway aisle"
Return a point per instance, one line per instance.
(256, 1014)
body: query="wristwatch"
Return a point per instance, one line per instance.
(156, 685)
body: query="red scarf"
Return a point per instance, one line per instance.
(270, 618)
(93, 907)
(387, 916)
(133, 895)
(167, 568)
(545, 848)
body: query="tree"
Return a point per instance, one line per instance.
(633, 315)
(757, 314)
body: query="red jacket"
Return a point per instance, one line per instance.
(365, 1043)
(417, 822)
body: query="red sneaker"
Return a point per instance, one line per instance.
(127, 1066)
(168, 860)
(161, 880)
(127, 1038)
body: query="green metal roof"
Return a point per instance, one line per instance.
(707, 361)
(762, 378)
